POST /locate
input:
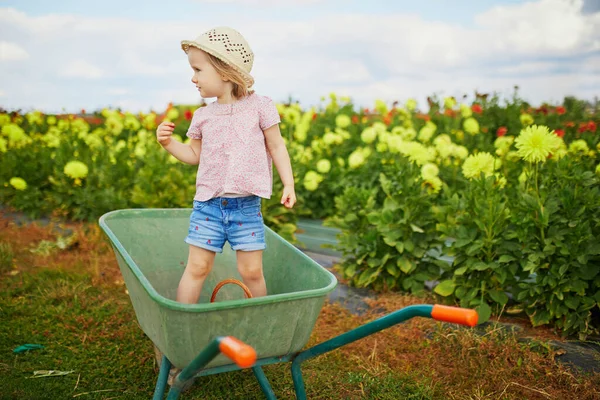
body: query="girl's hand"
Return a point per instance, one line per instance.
(289, 196)
(164, 132)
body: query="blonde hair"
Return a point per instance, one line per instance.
(240, 88)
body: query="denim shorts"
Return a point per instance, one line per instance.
(237, 220)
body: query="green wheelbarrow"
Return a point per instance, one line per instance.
(235, 332)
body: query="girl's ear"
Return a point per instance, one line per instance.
(224, 78)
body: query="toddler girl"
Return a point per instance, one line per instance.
(234, 141)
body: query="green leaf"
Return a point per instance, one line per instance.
(498, 296)
(373, 217)
(392, 269)
(530, 200)
(385, 184)
(409, 245)
(594, 248)
(421, 277)
(471, 294)
(563, 268)
(578, 287)
(405, 265)
(588, 271)
(502, 275)
(530, 267)
(445, 288)
(572, 302)
(373, 262)
(461, 270)
(367, 277)
(390, 282)
(416, 287)
(389, 242)
(484, 311)
(540, 317)
(387, 217)
(350, 270)
(480, 266)
(462, 242)
(350, 218)
(419, 252)
(416, 229)
(474, 248)
(522, 295)
(504, 258)
(400, 247)
(389, 204)
(360, 260)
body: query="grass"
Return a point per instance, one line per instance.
(74, 303)
(6, 257)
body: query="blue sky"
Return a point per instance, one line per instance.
(91, 54)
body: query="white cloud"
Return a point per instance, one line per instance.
(546, 26)
(82, 69)
(118, 91)
(545, 47)
(527, 68)
(12, 52)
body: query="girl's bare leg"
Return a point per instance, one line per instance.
(250, 268)
(199, 265)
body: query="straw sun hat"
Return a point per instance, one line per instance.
(229, 46)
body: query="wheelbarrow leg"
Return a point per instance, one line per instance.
(264, 383)
(161, 382)
(298, 381)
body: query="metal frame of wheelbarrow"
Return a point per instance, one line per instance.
(245, 356)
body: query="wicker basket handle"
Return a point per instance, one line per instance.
(225, 282)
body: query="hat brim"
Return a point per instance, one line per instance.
(186, 44)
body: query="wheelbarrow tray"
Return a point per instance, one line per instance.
(151, 253)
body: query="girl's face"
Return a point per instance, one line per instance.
(206, 78)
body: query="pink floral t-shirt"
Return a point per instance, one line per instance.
(234, 158)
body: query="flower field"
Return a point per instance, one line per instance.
(509, 191)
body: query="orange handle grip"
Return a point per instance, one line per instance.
(455, 315)
(241, 353)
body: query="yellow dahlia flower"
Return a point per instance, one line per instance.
(76, 169)
(475, 164)
(323, 166)
(470, 125)
(535, 143)
(18, 183)
(429, 171)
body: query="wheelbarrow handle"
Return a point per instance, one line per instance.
(241, 353)
(455, 315)
(438, 312)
